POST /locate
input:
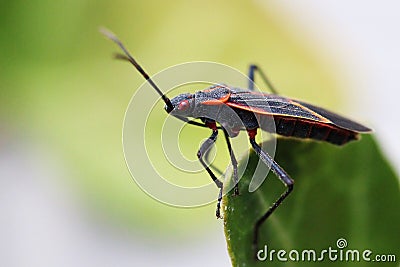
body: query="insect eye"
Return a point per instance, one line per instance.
(184, 105)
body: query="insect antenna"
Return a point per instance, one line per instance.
(127, 56)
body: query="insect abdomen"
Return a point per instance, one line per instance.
(314, 130)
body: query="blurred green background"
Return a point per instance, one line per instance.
(62, 105)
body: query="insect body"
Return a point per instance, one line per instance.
(236, 110)
(292, 118)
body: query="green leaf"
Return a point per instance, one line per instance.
(348, 192)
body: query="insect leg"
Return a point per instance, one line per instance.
(234, 163)
(252, 69)
(280, 173)
(207, 160)
(203, 148)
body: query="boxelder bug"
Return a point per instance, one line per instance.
(291, 118)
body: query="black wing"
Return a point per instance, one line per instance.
(275, 105)
(337, 119)
(271, 105)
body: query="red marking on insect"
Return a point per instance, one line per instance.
(219, 101)
(184, 105)
(211, 125)
(252, 133)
